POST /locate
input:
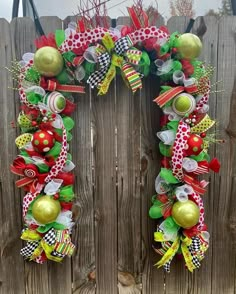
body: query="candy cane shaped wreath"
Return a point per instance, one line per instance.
(47, 80)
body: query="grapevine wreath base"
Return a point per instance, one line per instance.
(85, 53)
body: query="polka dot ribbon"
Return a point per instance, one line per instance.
(182, 135)
(79, 39)
(197, 198)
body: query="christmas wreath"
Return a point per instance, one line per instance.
(88, 53)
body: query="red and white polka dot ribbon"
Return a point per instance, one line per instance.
(61, 160)
(182, 135)
(197, 198)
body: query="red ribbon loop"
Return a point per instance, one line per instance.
(196, 185)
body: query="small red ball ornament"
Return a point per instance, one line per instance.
(43, 141)
(194, 145)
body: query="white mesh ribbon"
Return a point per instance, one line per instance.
(182, 192)
(53, 186)
(163, 67)
(171, 114)
(167, 137)
(189, 164)
(161, 186)
(178, 77)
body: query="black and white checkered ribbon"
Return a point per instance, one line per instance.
(95, 78)
(104, 61)
(196, 245)
(50, 237)
(28, 250)
(122, 45)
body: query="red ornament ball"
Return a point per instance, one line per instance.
(194, 145)
(43, 141)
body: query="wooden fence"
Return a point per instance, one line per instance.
(116, 165)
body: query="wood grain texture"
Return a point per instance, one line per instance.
(83, 233)
(222, 239)
(12, 277)
(23, 35)
(199, 281)
(57, 271)
(105, 199)
(152, 278)
(128, 185)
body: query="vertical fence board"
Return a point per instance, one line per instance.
(128, 166)
(223, 268)
(103, 109)
(84, 259)
(152, 278)
(177, 280)
(83, 265)
(12, 276)
(128, 185)
(55, 270)
(23, 36)
(199, 281)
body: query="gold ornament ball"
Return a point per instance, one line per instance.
(46, 209)
(48, 61)
(189, 46)
(185, 214)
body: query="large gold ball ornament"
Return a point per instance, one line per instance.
(45, 210)
(189, 46)
(185, 214)
(48, 61)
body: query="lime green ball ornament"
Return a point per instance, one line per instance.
(48, 61)
(189, 46)
(184, 104)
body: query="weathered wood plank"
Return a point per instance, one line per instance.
(128, 186)
(83, 263)
(223, 265)
(83, 233)
(105, 198)
(177, 280)
(23, 35)
(56, 271)
(12, 276)
(152, 278)
(50, 24)
(199, 281)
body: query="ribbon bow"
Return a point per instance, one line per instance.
(52, 85)
(28, 170)
(55, 244)
(198, 187)
(112, 55)
(167, 96)
(193, 249)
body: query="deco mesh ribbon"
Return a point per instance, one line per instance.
(184, 142)
(47, 79)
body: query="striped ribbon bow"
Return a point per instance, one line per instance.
(112, 55)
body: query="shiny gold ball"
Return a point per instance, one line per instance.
(48, 61)
(189, 46)
(45, 210)
(185, 214)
